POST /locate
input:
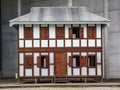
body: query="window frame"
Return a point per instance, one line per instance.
(89, 62)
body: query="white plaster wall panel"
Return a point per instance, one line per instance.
(36, 71)
(83, 43)
(28, 43)
(36, 43)
(28, 72)
(99, 70)
(91, 53)
(98, 57)
(52, 31)
(68, 55)
(67, 43)
(28, 25)
(84, 26)
(44, 43)
(92, 71)
(60, 43)
(21, 31)
(98, 31)
(91, 43)
(52, 43)
(44, 53)
(21, 71)
(91, 24)
(76, 53)
(83, 54)
(28, 53)
(21, 43)
(76, 43)
(83, 71)
(98, 43)
(51, 57)
(35, 57)
(51, 70)
(69, 70)
(36, 31)
(21, 58)
(44, 72)
(76, 71)
(44, 25)
(67, 30)
(60, 25)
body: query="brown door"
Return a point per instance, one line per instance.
(60, 64)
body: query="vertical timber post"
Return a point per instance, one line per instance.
(19, 7)
(106, 53)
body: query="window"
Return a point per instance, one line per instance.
(91, 32)
(75, 32)
(91, 61)
(43, 62)
(74, 61)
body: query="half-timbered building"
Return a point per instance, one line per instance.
(60, 43)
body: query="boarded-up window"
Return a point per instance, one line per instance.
(91, 61)
(44, 33)
(28, 62)
(91, 32)
(28, 32)
(83, 61)
(60, 34)
(81, 32)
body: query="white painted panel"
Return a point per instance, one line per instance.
(21, 43)
(51, 57)
(21, 71)
(83, 54)
(52, 43)
(36, 43)
(68, 54)
(76, 43)
(76, 53)
(98, 43)
(35, 57)
(84, 26)
(91, 43)
(67, 30)
(36, 71)
(75, 25)
(98, 57)
(98, 31)
(44, 72)
(83, 43)
(28, 25)
(83, 71)
(69, 70)
(76, 71)
(60, 43)
(44, 25)
(21, 58)
(67, 43)
(99, 70)
(44, 43)
(51, 70)
(36, 31)
(60, 25)
(91, 53)
(91, 24)
(52, 31)
(92, 71)
(21, 31)
(28, 72)
(28, 43)
(28, 53)
(44, 53)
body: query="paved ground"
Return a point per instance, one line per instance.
(10, 84)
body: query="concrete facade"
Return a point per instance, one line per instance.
(9, 35)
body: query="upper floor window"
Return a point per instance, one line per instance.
(91, 61)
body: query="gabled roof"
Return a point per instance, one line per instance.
(59, 15)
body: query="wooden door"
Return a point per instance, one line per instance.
(60, 64)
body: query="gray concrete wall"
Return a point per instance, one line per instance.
(9, 35)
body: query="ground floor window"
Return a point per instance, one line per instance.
(91, 61)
